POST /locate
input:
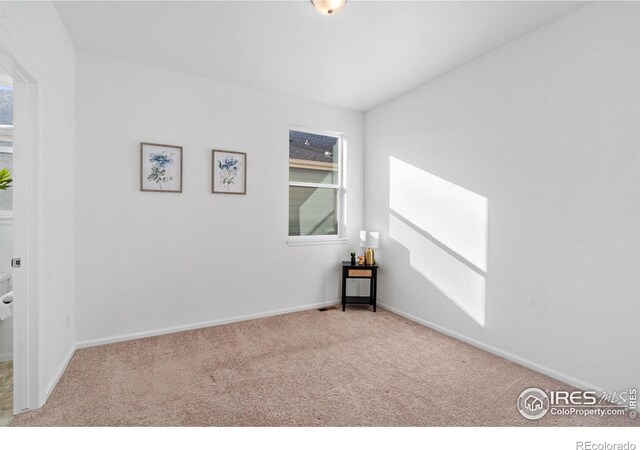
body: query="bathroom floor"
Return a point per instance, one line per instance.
(6, 393)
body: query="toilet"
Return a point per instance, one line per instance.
(6, 288)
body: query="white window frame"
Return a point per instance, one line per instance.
(340, 237)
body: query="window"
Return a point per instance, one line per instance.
(316, 194)
(6, 144)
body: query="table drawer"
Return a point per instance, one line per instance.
(360, 272)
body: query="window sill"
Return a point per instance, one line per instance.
(315, 240)
(6, 216)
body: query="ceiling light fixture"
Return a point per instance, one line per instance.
(328, 7)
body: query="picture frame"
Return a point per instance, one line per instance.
(228, 172)
(160, 167)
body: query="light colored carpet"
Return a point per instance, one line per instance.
(304, 369)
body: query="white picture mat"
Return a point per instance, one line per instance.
(172, 170)
(239, 182)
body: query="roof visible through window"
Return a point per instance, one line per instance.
(312, 147)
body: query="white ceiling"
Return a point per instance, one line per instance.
(369, 53)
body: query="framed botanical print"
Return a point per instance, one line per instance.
(160, 167)
(229, 172)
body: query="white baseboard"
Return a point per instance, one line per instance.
(195, 326)
(556, 375)
(61, 370)
(6, 357)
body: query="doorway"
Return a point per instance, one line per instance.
(21, 209)
(6, 248)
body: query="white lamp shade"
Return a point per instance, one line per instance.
(369, 239)
(328, 7)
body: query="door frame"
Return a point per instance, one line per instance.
(28, 227)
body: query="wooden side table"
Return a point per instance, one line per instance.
(359, 272)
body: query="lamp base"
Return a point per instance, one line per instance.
(368, 257)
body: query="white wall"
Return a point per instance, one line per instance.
(40, 35)
(148, 261)
(547, 130)
(6, 244)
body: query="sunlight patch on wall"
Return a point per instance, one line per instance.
(454, 216)
(462, 285)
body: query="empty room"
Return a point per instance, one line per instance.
(327, 214)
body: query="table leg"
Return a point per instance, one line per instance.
(374, 291)
(344, 292)
(371, 294)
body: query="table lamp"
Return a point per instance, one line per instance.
(369, 239)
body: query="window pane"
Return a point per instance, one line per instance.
(6, 197)
(313, 176)
(312, 211)
(6, 105)
(313, 158)
(6, 142)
